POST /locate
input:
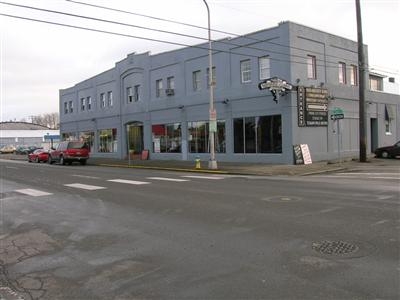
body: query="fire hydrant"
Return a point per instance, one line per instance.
(198, 164)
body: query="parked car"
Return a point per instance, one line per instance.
(38, 155)
(68, 152)
(388, 151)
(7, 149)
(25, 149)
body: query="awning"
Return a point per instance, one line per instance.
(390, 112)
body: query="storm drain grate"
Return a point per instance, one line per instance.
(334, 247)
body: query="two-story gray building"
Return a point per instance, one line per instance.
(161, 102)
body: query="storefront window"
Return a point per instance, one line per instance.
(199, 139)
(167, 138)
(68, 136)
(258, 134)
(88, 138)
(108, 140)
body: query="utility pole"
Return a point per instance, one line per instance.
(212, 125)
(361, 91)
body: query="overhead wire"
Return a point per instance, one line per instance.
(205, 28)
(141, 37)
(335, 64)
(168, 32)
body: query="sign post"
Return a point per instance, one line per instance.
(337, 115)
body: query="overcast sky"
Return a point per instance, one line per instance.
(37, 59)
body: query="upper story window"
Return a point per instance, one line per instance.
(89, 103)
(159, 87)
(375, 83)
(264, 67)
(311, 67)
(171, 82)
(83, 104)
(110, 98)
(71, 107)
(245, 70)
(129, 95)
(102, 100)
(353, 75)
(342, 72)
(196, 81)
(213, 77)
(136, 93)
(65, 107)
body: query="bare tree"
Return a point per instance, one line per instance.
(51, 120)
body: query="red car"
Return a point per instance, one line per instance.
(38, 155)
(68, 152)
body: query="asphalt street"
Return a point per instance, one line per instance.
(91, 232)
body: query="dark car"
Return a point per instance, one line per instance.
(68, 152)
(38, 155)
(25, 149)
(388, 151)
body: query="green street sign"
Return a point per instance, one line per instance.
(337, 111)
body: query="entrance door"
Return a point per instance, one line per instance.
(374, 134)
(134, 138)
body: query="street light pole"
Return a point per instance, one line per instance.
(212, 164)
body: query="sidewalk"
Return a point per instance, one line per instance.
(238, 168)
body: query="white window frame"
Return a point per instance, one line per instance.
(110, 98)
(136, 93)
(353, 75)
(342, 73)
(159, 87)
(196, 80)
(245, 71)
(171, 82)
(71, 107)
(102, 100)
(129, 95)
(264, 66)
(89, 103)
(311, 67)
(83, 104)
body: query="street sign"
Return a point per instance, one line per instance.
(337, 113)
(337, 117)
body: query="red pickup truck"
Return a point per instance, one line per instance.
(68, 152)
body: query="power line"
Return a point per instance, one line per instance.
(162, 31)
(142, 38)
(204, 28)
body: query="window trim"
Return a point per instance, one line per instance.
(196, 79)
(245, 71)
(159, 88)
(353, 75)
(311, 66)
(342, 73)
(267, 68)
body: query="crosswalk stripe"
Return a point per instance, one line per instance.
(33, 192)
(85, 186)
(167, 179)
(129, 181)
(203, 177)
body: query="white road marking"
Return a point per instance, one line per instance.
(84, 176)
(168, 179)
(203, 177)
(33, 192)
(380, 222)
(129, 181)
(85, 186)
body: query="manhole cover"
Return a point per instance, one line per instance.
(335, 247)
